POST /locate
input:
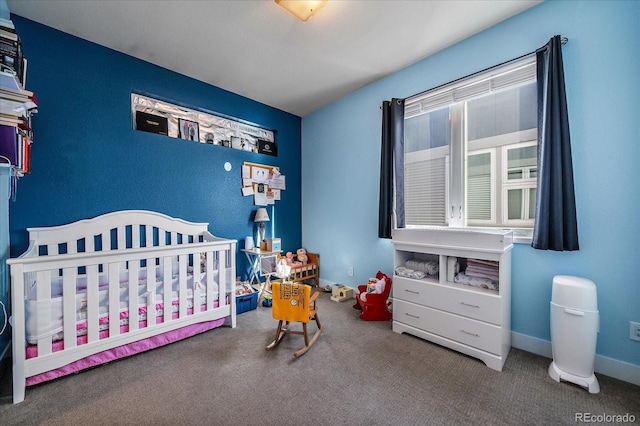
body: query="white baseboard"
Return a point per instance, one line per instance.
(531, 344)
(608, 366)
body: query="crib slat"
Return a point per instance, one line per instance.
(122, 237)
(69, 276)
(231, 258)
(166, 277)
(151, 289)
(134, 284)
(114, 299)
(222, 278)
(43, 294)
(106, 241)
(72, 247)
(89, 244)
(197, 272)
(135, 236)
(210, 271)
(182, 284)
(149, 237)
(93, 313)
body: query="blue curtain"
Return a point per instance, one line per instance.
(392, 157)
(555, 226)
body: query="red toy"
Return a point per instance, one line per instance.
(375, 307)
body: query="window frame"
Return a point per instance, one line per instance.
(455, 95)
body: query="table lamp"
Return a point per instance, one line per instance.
(261, 217)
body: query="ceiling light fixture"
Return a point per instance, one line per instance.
(301, 9)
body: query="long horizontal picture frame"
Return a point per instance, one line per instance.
(164, 118)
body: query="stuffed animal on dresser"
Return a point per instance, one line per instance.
(302, 256)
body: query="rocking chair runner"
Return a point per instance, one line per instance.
(293, 302)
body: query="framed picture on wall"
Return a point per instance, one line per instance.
(151, 123)
(188, 130)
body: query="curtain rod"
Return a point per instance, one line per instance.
(563, 41)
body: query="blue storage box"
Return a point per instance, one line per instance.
(246, 302)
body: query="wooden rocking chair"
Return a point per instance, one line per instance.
(293, 302)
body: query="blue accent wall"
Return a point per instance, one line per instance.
(87, 159)
(341, 157)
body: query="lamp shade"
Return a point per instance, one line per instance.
(261, 215)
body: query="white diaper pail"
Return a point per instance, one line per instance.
(575, 323)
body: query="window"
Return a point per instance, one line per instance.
(470, 151)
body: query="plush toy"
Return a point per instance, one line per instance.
(302, 256)
(290, 260)
(375, 286)
(282, 269)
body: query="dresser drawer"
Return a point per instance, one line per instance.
(477, 334)
(473, 303)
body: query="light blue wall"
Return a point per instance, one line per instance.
(341, 156)
(88, 160)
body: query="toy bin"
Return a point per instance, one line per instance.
(574, 331)
(246, 302)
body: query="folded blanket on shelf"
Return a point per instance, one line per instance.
(401, 271)
(487, 283)
(430, 267)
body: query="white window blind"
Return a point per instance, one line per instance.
(426, 182)
(472, 87)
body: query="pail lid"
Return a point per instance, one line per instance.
(574, 292)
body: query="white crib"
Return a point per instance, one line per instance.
(121, 268)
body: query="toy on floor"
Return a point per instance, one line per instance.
(267, 302)
(340, 293)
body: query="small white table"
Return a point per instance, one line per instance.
(255, 257)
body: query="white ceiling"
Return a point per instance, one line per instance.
(256, 49)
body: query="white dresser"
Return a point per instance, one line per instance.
(467, 318)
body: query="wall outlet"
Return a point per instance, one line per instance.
(350, 271)
(634, 330)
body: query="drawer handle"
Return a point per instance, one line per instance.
(412, 291)
(412, 316)
(470, 305)
(469, 333)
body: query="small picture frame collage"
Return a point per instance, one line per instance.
(164, 118)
